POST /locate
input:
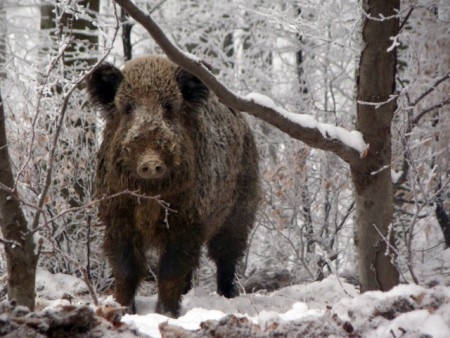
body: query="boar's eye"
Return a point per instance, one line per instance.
(168, 109)
(128, 108)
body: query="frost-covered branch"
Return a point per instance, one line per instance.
(430, 109)
(346, 144)
(62, 114)
(432, 88)
(93, 203)
(413, 121)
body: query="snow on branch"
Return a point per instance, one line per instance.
(348, 145)
(352, 139)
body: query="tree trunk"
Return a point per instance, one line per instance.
(21, 255)
(372, 176)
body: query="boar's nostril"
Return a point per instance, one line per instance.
(151, 169)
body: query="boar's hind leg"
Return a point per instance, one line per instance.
(179, 259)
(125, 255)
(227, 247)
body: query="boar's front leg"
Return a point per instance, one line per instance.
(123, 247)
(179, 258)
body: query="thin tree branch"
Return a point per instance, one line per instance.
(127, 26)
(10, 243)
(432, 88)
(157, 6)
(48, 176)
(413, 121)
(82, 269)
(405, 20)
(311, 136)
(91, 204)
(40, 95)
(430, 109)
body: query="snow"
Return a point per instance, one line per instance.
(395, 43)
(57, 286)
(419, 322)
(148, 324)
(408, 310)
(395, 175)
(352, 139)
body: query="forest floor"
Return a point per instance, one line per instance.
(331, 307)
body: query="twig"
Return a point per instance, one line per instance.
(378, 104)
(335, 272)
(405, 20)
(388, 244)
(413, 121)
(157, 6)
(431, 89)
(136, 194)
(430, 109)
(381, 17)
(52, 66)
(249, 297)
(88, 248)
(83, 270)
(9, 242)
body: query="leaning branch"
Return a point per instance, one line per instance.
(312, 136)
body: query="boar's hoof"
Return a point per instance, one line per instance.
(151, 169)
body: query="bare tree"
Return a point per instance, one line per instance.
(20, 247)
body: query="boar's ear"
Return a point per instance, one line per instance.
(102, 85)
(193, 89)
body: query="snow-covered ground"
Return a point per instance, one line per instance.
(408, 310)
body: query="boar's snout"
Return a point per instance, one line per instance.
(151, 167)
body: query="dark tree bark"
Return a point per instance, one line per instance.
(372, 181)
(444, 221)
(372, 177)
(442, 216)
(20, 249)
(299, 59)
(127, 26)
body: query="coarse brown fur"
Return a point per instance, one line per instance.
(166, 135)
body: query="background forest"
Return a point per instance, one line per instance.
(302, 54)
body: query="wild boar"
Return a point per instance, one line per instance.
(167, 135)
